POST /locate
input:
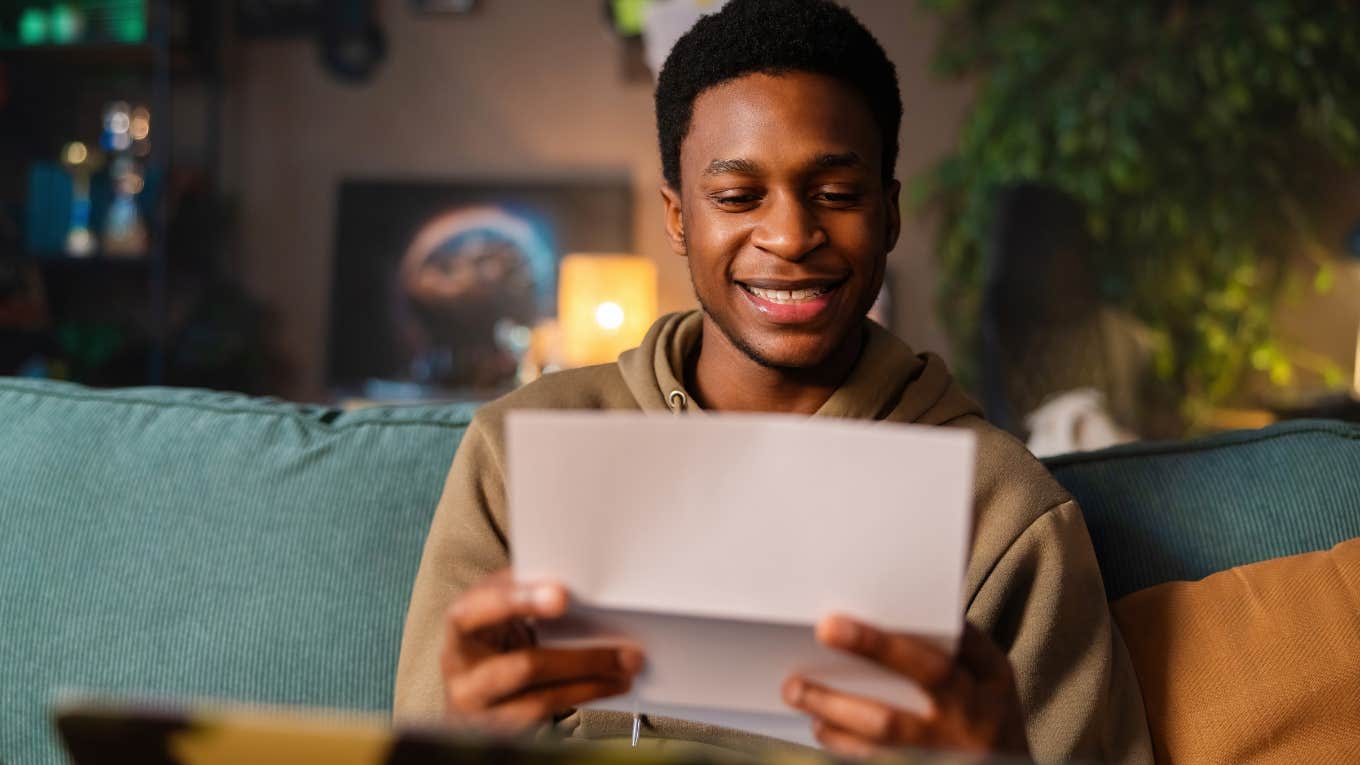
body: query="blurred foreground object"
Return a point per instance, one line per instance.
(605, 305)
(1195, 137)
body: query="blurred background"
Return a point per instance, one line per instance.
(1123, 222)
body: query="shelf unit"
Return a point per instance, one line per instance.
(57, 92)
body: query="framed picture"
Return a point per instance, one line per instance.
(438, 284)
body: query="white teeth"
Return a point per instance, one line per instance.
(787, 296)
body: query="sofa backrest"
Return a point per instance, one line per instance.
(173, 542)
(1159, 512)
(194, 544)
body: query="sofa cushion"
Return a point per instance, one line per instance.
(191, 543)
(1256, 664)
(1160, 512)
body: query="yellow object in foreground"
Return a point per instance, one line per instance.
(111, 732)
(605, 303)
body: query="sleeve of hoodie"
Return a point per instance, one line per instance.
(466, 542)
(1034, 586)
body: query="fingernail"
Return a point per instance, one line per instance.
(794, 688)
(546, 596)
(631, 660)
(540, 597)
(840, 631)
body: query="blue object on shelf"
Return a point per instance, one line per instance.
(51, 202)
(50, 196)
(1353, 242)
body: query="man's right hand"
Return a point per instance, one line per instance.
(496, 678)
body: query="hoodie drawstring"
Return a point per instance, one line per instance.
(678, 401)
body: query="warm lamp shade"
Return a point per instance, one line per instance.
(605, 304)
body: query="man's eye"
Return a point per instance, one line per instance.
(736, 200)
(839, 199)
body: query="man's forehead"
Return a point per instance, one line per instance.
(752, 122)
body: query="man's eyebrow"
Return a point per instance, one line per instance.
(741, 166)
(737, 166)
(846, 159)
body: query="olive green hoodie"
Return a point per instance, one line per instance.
(1032, 582)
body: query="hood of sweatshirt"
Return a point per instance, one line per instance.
(888, 382)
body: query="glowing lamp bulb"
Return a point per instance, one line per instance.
(609, 315)
(605, 302)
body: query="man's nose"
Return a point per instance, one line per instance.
(788, 229)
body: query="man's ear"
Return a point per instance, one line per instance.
(894, 212)
(675, 219)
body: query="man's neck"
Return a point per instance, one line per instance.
(722, 377)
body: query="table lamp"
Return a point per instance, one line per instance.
(605, 304)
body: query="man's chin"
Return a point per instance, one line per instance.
(787, 353)
(788, 348)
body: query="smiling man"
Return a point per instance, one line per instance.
(778, 124)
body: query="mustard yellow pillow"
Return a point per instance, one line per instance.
(1255, 664)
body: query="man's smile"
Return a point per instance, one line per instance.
(791, 302)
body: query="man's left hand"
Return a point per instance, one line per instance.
(973, 702)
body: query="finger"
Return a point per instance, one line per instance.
(915, 658)
(868, 719)
(495, 602)
(502, 677)
(473, 631)
(842, 742)
(541, 704)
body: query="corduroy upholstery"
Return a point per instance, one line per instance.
(188, 543)
(1160, 512)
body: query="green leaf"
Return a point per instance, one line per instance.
(1262, 358)
(1282, 373)
(1333, 377)
(1325, 279)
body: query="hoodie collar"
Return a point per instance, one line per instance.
(888, 382)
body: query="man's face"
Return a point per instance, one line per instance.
(783, 214)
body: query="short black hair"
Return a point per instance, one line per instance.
(773, 37)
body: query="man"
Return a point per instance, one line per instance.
(778, 124)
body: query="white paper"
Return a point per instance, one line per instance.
(716, 542)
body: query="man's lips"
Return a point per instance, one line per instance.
(790, 302)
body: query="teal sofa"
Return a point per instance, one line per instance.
(185, 543)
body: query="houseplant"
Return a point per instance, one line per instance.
(1196, 137)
